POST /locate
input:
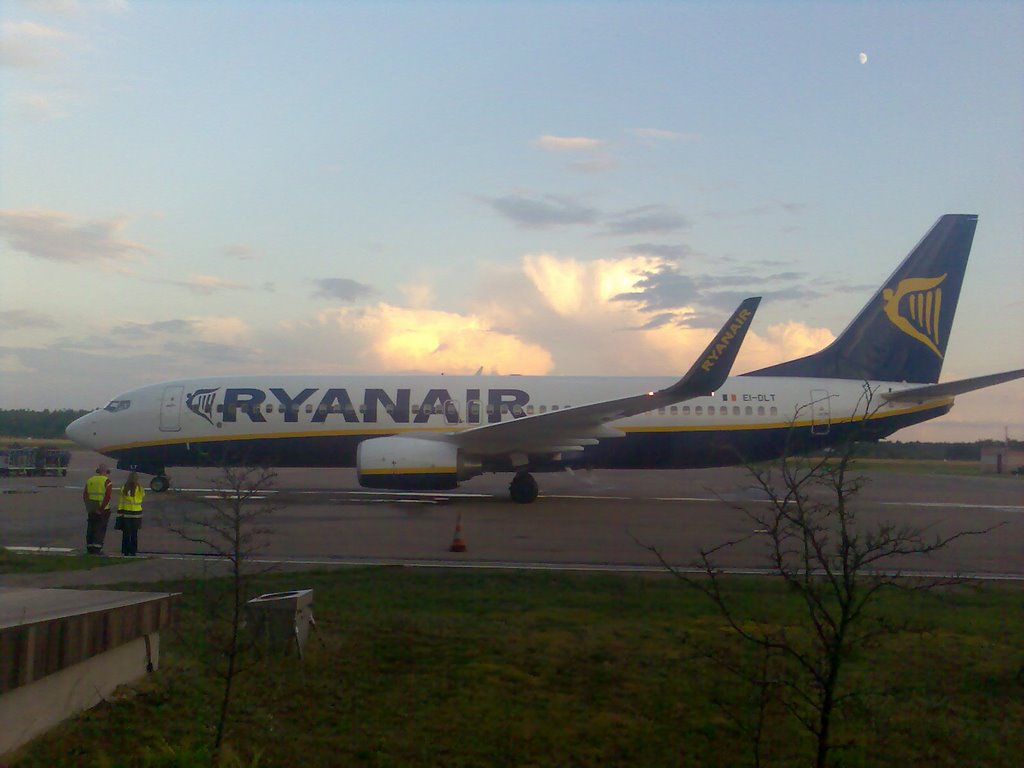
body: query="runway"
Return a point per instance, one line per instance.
(607, 520)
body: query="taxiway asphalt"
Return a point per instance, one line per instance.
(616, 520)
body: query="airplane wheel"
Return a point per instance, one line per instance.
(160, 483)
(523, 488)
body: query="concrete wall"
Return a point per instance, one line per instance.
(32, 709)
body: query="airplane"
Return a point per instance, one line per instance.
(880, 375)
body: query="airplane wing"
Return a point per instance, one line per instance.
(951, 388)
(576, 427)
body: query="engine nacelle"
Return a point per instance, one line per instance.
(408, 463)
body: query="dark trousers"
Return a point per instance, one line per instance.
(130, 535)
(96, 530)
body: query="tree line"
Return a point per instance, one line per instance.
(38, 425)
(930, 451)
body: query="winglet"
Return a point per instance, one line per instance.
(713, 366)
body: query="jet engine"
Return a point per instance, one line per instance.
(409, 463)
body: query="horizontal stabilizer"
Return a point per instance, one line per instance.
(951, 388)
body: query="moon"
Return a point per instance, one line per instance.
(863, 58)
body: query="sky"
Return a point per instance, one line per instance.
(564, 188)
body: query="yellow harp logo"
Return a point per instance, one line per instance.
(915, 307)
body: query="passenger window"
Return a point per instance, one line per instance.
(529, 410)
(699, 410)
(774, 411)
(309, 407)
(554, 407)
(543, 409)
(723, 411)
(504, 409)
(686, 410)
(760, 410)
(416, 409)
(736, 410)
(220, 407)
(674, 410)
(749, 411)
(661, 411)
(270, 408)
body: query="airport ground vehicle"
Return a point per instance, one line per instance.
(34, 461)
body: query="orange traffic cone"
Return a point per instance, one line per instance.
(458, 545)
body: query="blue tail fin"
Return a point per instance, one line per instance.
(901, 334)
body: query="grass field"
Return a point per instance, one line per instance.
(13, 562)
(920, 466)
(414, 668)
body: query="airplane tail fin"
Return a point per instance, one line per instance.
(901, 334)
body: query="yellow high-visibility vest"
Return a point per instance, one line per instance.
(96, 487)
(130, 504)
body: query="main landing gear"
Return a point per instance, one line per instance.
(523, 488)
(160, 483)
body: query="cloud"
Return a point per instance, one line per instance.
(544, 212)
(662, 288)
(38, 106)
(206, 338)
(341, 288)
(664, 251)
(595, 157)
(569, 144)
(550, 211)
(577, 310)
(13, 319)
(569, 286)
(240, 251)
(705, 295)
(787, 341)
(396, 339)
(560, 281)
(646, 220)
(31, 46)
(11, 363)
(60, 237)
(204, 285)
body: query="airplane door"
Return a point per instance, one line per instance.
(821, 412)
(170, 409)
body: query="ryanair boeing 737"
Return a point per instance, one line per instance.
(433, 432)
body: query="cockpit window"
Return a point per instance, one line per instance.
(117, 405)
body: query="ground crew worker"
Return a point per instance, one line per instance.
(129, 514)
(96, 496)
